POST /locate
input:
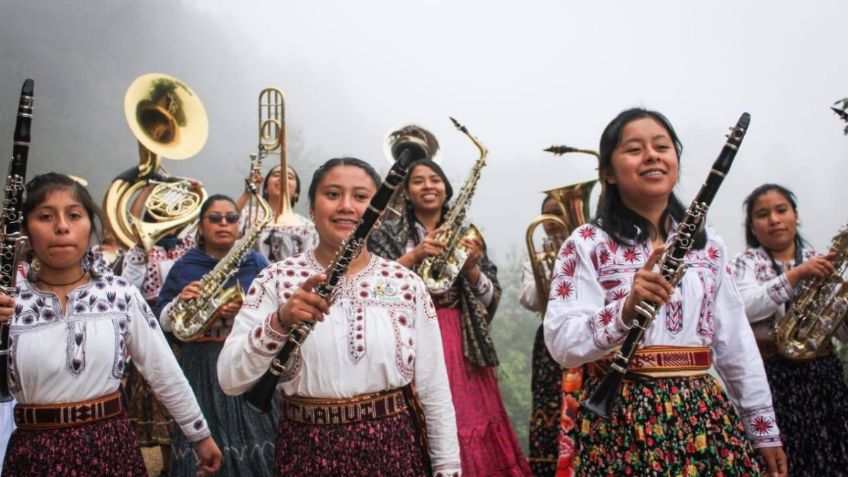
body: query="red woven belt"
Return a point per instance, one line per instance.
(664, 360)
(59, 416)
(320, 411)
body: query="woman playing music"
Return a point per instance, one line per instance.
(281, 241)
(487, 441)
(809, 397)
(671, 417)
(546, 382)
(347, 400)
(246, 436)
(70, 330)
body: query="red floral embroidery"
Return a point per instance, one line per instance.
(762, 425)
(631, 255)
(568, 268)
(568, 249)
(564, 289)
(606, 316)
(587, 232)
(604, 256)
(713, 253)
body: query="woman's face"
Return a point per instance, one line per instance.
(341, 198)
(59, 230)
(552, 229)
(219, 225)
(426, 189)
(644, 164)
(273, 188)
(773, 221)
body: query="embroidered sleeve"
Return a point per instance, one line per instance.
(581, 326)
(763, 292)
(738, 362)
(152, 355)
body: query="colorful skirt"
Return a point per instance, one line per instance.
(387, 446)
(546, 386)
(811, 405)
(487, 442)
(149, 418)
(679, 426)
(102, 448)
(245, 436)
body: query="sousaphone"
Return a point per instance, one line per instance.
(168, 120)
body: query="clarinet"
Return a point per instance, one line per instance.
(261, 395)
(671, 267)
(13, 242)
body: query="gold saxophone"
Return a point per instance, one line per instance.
(817, 311)
(191, 318)
(439, 272)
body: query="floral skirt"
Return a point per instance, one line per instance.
(487, 442)
(811, 405)
(665, 427)
(103, 448)
(546, 386)
(387, 446)
(245, 436)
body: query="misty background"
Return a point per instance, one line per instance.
(520, 75)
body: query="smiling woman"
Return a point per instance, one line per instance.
(348, 405)
(71, 327)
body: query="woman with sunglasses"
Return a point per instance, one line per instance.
(376, 338)
(276, 241)
(71, 328)
(246, 436)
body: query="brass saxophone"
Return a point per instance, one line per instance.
(440, 272)
(817, 311)
(191, 318)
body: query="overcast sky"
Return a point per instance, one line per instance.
(519, 75)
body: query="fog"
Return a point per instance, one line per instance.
(520, 75)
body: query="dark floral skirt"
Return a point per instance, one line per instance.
(546, 386)
(669, 426)
(811, 404)
(103, 448)
(386, 446)
(149, 418)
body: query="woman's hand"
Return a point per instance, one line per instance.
(775, 459)
(429, 247)
(230, 309)
(304, 305)
(817, 267)
(209, 457)
(648, 285)
(192, 290)
(475, 247)
(7, 306)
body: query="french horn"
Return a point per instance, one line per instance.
(168, 120)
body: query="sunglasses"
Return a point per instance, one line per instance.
(216, 218)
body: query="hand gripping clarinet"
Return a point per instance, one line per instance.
(13, 242)
(672, 269)
(260, 396)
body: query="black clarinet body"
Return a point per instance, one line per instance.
(260, 396)
(671, 267)
(13, 241)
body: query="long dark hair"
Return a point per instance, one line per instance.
(616, 219)
(201, 243)
(410, 210)
(336, 162)
(751, 200)
(294, 197)
(43, 185)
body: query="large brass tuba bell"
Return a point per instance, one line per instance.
(422, 142)
(168, 120)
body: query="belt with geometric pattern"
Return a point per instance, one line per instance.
(58, 416)
(366, 407)
(666, 361)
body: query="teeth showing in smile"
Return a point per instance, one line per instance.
(652, 173)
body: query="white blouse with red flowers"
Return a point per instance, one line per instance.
(592, 278)
(382, 332)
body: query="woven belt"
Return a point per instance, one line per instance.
(60, 416)
(215, 335)
(664, 361)
(320, 411)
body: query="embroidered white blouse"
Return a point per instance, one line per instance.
(147, 270)
(277, 242)
(382, 333)
(528, 297)
(591, 281)
(80, 354)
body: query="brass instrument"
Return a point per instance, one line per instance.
(439, 272)
(191, 318)
(573, 200)
(421, 143)
(252, 204)
(168, 120)
(272, 140)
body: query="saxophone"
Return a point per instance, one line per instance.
(817, 311)
(440, 272)
(191, 318)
